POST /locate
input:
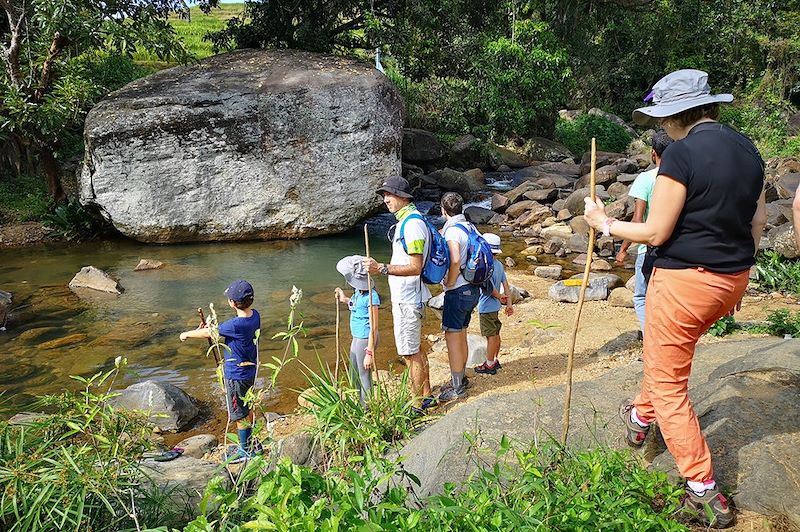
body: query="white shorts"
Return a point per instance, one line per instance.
(407, 327)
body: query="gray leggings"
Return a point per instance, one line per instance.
(357, 372)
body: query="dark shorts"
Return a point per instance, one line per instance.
(490, 323)
(236, 390)
(458, 306)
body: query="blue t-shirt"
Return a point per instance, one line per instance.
(359, 313)
(240, 336)
(487, 303)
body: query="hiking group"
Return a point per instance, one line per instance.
(699, 216)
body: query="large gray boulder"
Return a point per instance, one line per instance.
(184, 480)
(169, 407)
(420, 146)
(449, 179)
(737, 388)
(250, 144)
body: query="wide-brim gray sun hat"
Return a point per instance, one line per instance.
(494, 242)
(354, 272)
(676, 92)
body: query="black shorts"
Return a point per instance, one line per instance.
(235, 392)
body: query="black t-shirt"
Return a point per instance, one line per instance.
(724, 175)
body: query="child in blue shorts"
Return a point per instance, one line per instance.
(362, 348)
(489, 307)
(240, 362)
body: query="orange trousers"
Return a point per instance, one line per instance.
(680, 306)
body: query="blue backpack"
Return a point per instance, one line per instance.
(479, 267)
(437, 262)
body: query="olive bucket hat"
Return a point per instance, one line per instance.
(676, 92)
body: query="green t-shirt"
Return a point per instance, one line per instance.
(642, 189)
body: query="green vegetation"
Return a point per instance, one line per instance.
(23, 199)
(72, 221)
(775, 273)
(782, 322)
(544, 488)
(77, 467)
(723, 326)
(577, 134)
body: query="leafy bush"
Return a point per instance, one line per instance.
(723, 326)
(776, 273)
(73, 221)
(782, 322)
(577, 134)
(347, 429)
(77, 468)
(545, 488)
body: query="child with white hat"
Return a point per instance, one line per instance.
(489, 307)
(362, 348)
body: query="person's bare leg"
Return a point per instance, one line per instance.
(418, 371)
(492, 347)
(457, 355)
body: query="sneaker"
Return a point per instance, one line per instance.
(711, 508)
(451, 394)
(449, 385)
(429, 402)
(486, 369)
(237, 455)
(635, 434)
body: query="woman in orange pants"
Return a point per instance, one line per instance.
(707, 214)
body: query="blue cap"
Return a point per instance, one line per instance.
(239, 290)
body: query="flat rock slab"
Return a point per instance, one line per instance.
(745, 393)
(252, 144)
(148, 264)
(185, 479)
(95, 279)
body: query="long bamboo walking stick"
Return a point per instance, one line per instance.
(338, 348)
(582, 295)
(369, 304)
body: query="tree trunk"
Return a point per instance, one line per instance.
(52, 171)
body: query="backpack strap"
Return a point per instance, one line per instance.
(418, 216)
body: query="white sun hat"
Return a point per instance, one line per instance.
(677, 92)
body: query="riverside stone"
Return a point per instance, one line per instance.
(478, 215)
(615, 190)
(184, 479)
(578, 225)
(563, 215)
(510, 262)
(569, 169)
(575, 203)
(603, 176)
(466, 152)
(148, 264)
(782, 241)
(545, 195)
(197, 446)
(169, 407)
(621, 297)
(604, 158)
(449, 179)
(549, 272)
(559, 230)
(5, 304)
(517, 209)
(248, 144)
(596, 290)
(612, 279)
(578, 242)
(514, 195)
(532, 250)
(420, 146)
(95, 279)
(500, 203)
(536, 214)
(542, 149)
(787, 185)
(600, 265)
(500, 155)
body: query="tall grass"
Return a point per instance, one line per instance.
(193, 31)
(775, 273)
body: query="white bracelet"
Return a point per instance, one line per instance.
(607, 226)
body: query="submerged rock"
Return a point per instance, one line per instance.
(95, 279)
(248, 144)
(5, 305)
(148, 264)
(169, 407)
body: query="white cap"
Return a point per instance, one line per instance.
(494, 242)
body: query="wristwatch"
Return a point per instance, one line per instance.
(385, 269)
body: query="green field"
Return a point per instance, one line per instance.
(193, 30)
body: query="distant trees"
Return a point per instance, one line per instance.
(61, 57)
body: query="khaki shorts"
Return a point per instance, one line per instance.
(490, 324)
(407, 327)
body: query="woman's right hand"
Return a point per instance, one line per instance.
(339, 294)
(594, 213)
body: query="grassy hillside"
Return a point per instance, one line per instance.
(193, 30)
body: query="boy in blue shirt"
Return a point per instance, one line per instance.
(489, 306)
(362, 348)
(240, 362)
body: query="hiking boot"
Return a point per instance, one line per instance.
(635, 434)
(711, 508)
(486, 369)
(236, 455)
(451, 394)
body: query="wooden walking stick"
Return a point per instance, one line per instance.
(584, 283)
(338, 350)
(210, 343)
(369, 304)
